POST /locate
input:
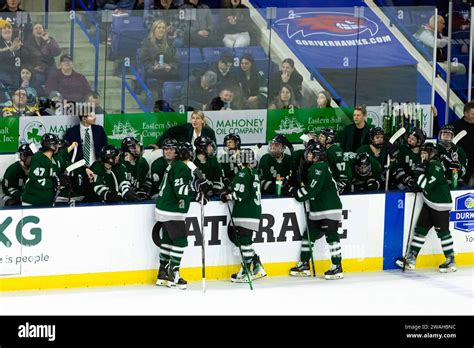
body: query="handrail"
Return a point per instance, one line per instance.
(95, 41)
(46, 12)
(125, 84)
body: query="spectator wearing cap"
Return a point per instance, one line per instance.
(90, 137)
(39, 51)
(9, 54)
(72, 85)
(225, 71)
(288, 75)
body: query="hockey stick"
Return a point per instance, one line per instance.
(392, 140)
(240, 248)
(459, 136)
(67, 171)
(309, 239)
(198, 173)
(409, 233)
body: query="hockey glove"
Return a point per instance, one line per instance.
(112, 197)
(226, 197)
(419, 169)
(372, 184)
(143, 195)
(227, 184)
(341, 186)
(288, 191)
(200, 185)
(131, 196)
(450, 163)
(392, 150)
(64, 180)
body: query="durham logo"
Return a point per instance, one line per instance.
(327, 23)
(463, 216)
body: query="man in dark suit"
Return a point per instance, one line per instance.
(90, 137)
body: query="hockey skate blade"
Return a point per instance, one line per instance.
(300, 274)
(408, 266)
(334, 277)
(448, 270)
(161, 282)
(177, 286)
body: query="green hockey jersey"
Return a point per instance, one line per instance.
(321, 191)
(382, 156)
(158, 169)
(456, 153)
(106, 180)
(269, 168)
(212, 171)
(371, 182)
(247, 199)
(137, 174)
(39, 189)
(436, 193)
(175, 193)
(14, 181)
(339, 168)
(229, 165)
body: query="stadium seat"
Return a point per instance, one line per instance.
(257, 52)
(172, 93)
(127, 36)
(212, 54)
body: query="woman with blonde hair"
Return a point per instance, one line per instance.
(188, 132)
(158, 56)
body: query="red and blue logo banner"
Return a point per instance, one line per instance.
(336, 38)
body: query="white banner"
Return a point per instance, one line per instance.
(463, 240)
(93, 239)
(32, 128)
(250, 125)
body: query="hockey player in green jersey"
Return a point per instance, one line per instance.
(437, 203)
(325, 212)
(367, 174)
(376, 147)
(111, 184)
(407, 159)
(176, 193)
(339, 168)
(276, 163)
(246, 214)
(137, 168)
(452, 156)
(299, 167)
(158, 167)
(207, 163)
(16, 175)
(43, 180)
(227, 160)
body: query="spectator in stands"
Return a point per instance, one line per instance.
(115, 5)
(200, 90)
(11, 12)
(39, 51)
(287, 75)
(253, 84)
(357, 133)
(72, 85)
(202, 26)
(426, 35)
(226, 74)
(176, 27)
(223, 101)
(285, 99)
(323, 100)
(158, 56)
(19, 107)
(9, 52)
(90, 137)
(467, 143)
(188, 132)
(162, 106)
(93, 98)
(236, 24)
(30, 83)
(53, 105)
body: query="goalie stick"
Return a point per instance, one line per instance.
(459, 136)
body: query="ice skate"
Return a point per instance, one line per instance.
(241, 276)
(175, 281)
(409, 261)
(448, 266)
(335, 272)
(257, 268)
(162, 279)
(301, 269)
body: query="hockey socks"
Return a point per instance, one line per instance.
(446, 243)
(247, 248)
(332, 238)
(177, 251)
(418, 240)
